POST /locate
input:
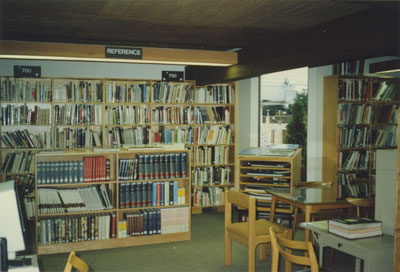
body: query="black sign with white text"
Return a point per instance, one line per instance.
(172, 76)
(27, 71)
(124, 52)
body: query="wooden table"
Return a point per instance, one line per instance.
(375, 252)
(309, 200)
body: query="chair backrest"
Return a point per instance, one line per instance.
(314, 184)
(241, 200)
(75, 262)
(361, 202)
(278, 241)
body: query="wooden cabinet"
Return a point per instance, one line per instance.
(260, 172)
(88, 201)
(360, 116)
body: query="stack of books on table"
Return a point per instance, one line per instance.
(353, 228)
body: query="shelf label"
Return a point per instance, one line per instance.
(124, 52)
(172, 76)
(27, 71)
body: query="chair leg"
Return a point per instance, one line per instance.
(252, 258)
(228, 250)
(261, 252)
(274, 260)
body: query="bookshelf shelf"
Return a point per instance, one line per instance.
(360, 117)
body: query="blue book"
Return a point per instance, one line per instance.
(122, 189)
(162, 194)
(175, 192)
(127, 198)
(81, 170)
(154, 198)
(39, 172)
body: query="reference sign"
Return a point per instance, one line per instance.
(124, 52)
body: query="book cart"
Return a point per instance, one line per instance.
(256, 173)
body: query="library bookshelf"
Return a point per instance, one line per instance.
(360, 116)
(82, 114)
(83, 202)
(257, 173)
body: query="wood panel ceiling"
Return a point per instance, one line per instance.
(250, 26)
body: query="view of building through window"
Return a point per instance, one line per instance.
(278, 92)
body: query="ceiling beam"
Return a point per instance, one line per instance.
(366, 34)
(88, 52)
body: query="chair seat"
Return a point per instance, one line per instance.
(262, 227)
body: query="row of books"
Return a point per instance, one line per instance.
(208, 197)
(77, 137)
(173, 135)
(355, 228)
(348, 186)
(385, 114)
(29, 208)
(153, 166)
(78, 91)
(167, 92)
(172, 115)
(354, 89)
(78, 114)
(121, 92)
(18, 89)
(77, 228)
(211, 176)
(387, 91)
(386, 137)
(214, 135)
(212, 114)
(26, 139)
(90, 169)
(127, 115)
(353, 67)
(354, 160)
(154, 221)
(83, 199)
(211, 155)
(24, 115)
(354, 113)
(121, 136)
(353, 136)
(18, 161)
(216, 94)
(26, 183)
(150, 194)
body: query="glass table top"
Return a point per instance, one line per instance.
(306, 195)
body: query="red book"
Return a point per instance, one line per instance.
(86, 173)
(113, 228)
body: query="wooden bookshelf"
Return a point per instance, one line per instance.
(358, 119)
(121, 206)
(83, 114)
(259, 172)
(214, 145)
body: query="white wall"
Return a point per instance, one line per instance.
(91, 69)
(248, 111)
(314, 123)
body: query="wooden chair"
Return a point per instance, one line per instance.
(308, 259)
(251, 233)
(364, 204)
(75, 262)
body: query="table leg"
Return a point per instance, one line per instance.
(272, 212)
(307, 219)
(358, 265)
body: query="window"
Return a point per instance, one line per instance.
(278, 91)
